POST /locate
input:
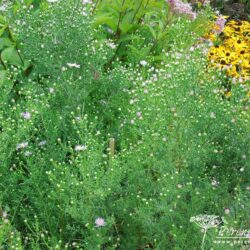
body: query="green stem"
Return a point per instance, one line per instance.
(203, 240)
(95, 6)
(136, 12)
(157, 40)
(117, 34)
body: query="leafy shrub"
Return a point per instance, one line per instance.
(143, 28)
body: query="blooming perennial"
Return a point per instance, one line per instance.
(74, 65)
(80, 147)
(26, 115)
(100, 222)
(231, 50)
(178, 7)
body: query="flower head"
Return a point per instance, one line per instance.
(178, 7)
(26, 115)
(143, 63)
(219, 25)
(80, 147)
(74, 65)
(22, 145)
(100, 222)
(4, 214)
(42, 143)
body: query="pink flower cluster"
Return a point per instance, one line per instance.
(219, 25)
(178, 7)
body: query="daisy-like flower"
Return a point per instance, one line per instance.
(212, 115)
(80, 147)
(143, 63)
(74, 65)
(84, 2)
(28, 153)
(26, 115)
(42, 143)
(2, 8)
(100, 222)
(214, 183)
(22, 145)
(4, 214)
(51, 90)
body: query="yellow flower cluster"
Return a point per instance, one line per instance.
(232, 50)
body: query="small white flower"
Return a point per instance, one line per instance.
(143, 63)
(22, 145)
(78, 118)
(51, 90)
(214, 183)
(111, 45)
(52, 1)
(2, 8)
(28, 153)
(42, 143)
(80, 148)
(86, 2)
(74, 65)
(4, 215)
(192, 48)
(212, 115)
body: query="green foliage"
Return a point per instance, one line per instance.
(181, 148)
(141, 29)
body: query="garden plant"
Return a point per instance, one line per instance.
(124, 125)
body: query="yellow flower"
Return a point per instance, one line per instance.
(228, 94)
(233, 54)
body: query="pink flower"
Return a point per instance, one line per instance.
(26, 115)
(219, 25)
(100, 222)
(178, 7)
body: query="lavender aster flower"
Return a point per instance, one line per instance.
(219, 25)
(26, 115)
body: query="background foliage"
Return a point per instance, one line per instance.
(75, 76)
